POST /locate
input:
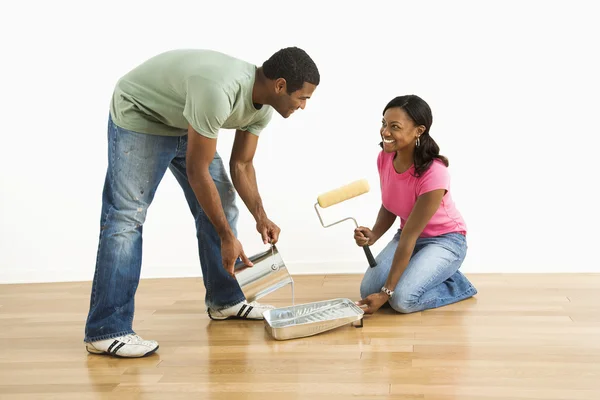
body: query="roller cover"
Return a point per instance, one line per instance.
(343, 193)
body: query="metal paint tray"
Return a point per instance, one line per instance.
(311, 318)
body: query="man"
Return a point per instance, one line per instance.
(166, 114)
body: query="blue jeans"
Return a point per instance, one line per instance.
(136, 164)
(431, 279)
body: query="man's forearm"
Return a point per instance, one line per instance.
(208, 197)
(244, 180)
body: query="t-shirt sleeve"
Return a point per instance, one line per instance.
(207, 107)
(256, 127)
(436, 177)
(380, 161)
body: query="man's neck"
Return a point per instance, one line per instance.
(259, 90)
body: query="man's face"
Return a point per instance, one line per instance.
(285, 104)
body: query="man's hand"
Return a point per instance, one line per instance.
(364, 236)
(373, 302)
(243, 176)
(268, 230)
(231, 249)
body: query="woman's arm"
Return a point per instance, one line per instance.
(425, 206)
(384, 221)
(366, 236)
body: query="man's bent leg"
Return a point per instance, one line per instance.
(222, 290)
(136, 164)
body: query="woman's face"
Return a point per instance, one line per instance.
(398, 130)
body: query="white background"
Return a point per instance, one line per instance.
(513, 87)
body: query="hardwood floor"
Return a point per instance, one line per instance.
(521, 337)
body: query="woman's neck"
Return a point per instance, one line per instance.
(403, 160)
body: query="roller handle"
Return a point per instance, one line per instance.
(369, 255)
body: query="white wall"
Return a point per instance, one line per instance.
(513, 87)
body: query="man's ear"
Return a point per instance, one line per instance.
(280, 85)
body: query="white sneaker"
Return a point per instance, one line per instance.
(123, 346)
(243, 310)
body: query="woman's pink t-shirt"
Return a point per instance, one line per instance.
(399, 194)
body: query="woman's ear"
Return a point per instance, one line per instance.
(420, 130)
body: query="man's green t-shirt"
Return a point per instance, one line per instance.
(204, 88)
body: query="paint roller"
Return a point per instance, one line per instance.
(340, 194)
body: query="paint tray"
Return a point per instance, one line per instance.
(310, 319)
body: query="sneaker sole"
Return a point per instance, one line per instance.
(232, 317)
(105, 353)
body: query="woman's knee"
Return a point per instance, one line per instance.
(375, 277)
(368, 286)
(365, 288)
(405, 304)
(406, 298)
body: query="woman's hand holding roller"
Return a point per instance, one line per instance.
(364, 236)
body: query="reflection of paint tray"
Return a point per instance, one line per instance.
(311, 318)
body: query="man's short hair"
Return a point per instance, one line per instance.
(293, 65)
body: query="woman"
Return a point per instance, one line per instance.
(418, 269)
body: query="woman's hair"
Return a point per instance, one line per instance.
(418, 110)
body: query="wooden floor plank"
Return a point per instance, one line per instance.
(524, 336)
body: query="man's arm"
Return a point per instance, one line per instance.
(243, 176)
(200, 153)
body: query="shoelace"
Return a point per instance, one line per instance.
(133, 338)
(257, 304)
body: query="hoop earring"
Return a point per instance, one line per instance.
(418, 141)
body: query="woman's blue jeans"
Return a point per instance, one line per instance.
(432, 278)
